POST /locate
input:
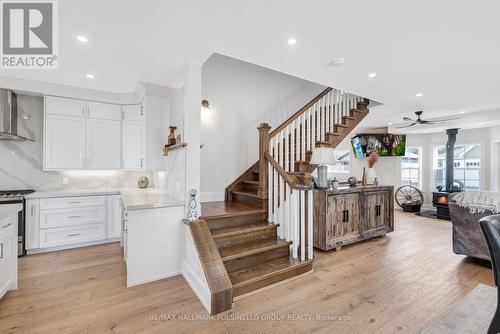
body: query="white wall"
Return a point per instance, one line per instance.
(241, 96)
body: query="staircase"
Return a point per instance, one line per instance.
(263, 229)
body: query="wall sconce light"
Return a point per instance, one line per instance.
(205, 105)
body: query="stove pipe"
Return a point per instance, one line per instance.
(450, 152)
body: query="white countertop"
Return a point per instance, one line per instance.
(7, 210)
(133, 198)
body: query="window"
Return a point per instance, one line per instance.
(342, 162)
(466, 164)
(411, 167)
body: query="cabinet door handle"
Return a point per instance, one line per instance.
(345, 217)
(74, 235)
(142, 162)
(74, 216)
(32, 210)
(378, 210)
(5, 226)
(1, 250)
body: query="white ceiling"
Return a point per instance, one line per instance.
(448, 50)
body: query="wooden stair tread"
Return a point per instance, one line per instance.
(332, 134)
(350, 118)
(250, 182)
(265, 270)
(246, 193)
(249, 248)
(342, 125)
(235, 230)
(223, 209)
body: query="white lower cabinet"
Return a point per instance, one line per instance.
(69, 222)
(114, 216)
(61, 236)
(8, 254)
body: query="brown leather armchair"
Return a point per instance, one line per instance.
(468, 239)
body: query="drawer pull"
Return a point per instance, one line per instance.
(75, 202)
(74, 235)
(5, 226)
(1, 251)
(74, 216)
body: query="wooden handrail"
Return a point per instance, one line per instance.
(300, 112)
(286, 177)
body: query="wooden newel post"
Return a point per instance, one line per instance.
(263, 148)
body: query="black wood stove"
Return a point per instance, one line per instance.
(440, 198)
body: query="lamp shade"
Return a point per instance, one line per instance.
(323, 156)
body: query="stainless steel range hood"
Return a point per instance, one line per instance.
(9, 120)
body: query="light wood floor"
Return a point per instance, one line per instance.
(401, 283)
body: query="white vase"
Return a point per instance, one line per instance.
(371, 176)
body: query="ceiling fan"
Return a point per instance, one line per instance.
(420, 121)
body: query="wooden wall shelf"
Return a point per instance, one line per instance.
(174, 147)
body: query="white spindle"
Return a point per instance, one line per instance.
(286, 160)
(303, 139)
(310, 225)
(327, 112)
(285, 211)
(296, 217)
(302, 226)
(293, 147)
(281, 206)
(313, 128)
(270, 195)
(275, 199)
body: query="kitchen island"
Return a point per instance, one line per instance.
(347, 215)
(148, 222)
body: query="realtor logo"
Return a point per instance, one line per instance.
(29, 34)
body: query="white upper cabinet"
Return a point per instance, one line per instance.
(64, 143)
(64, 106)
(93, 135)
(103, 144)
(104, 111)
(133, 137)
(133, 112)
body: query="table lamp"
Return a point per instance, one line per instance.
(323, 156)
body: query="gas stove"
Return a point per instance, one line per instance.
(13, 196)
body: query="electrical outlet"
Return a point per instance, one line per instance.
(65, 180)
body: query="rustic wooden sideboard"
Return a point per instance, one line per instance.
(350, 214)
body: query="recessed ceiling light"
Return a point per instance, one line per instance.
(372, 75)
(292, 41)
(481, 123)
(390, 123)
(89, 76)
(463, 112)
(337, 62)
(82, 38)
(419, 94)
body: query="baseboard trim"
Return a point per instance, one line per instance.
(154, 278)
(79, 245)
(215, 196)
(197, 285)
